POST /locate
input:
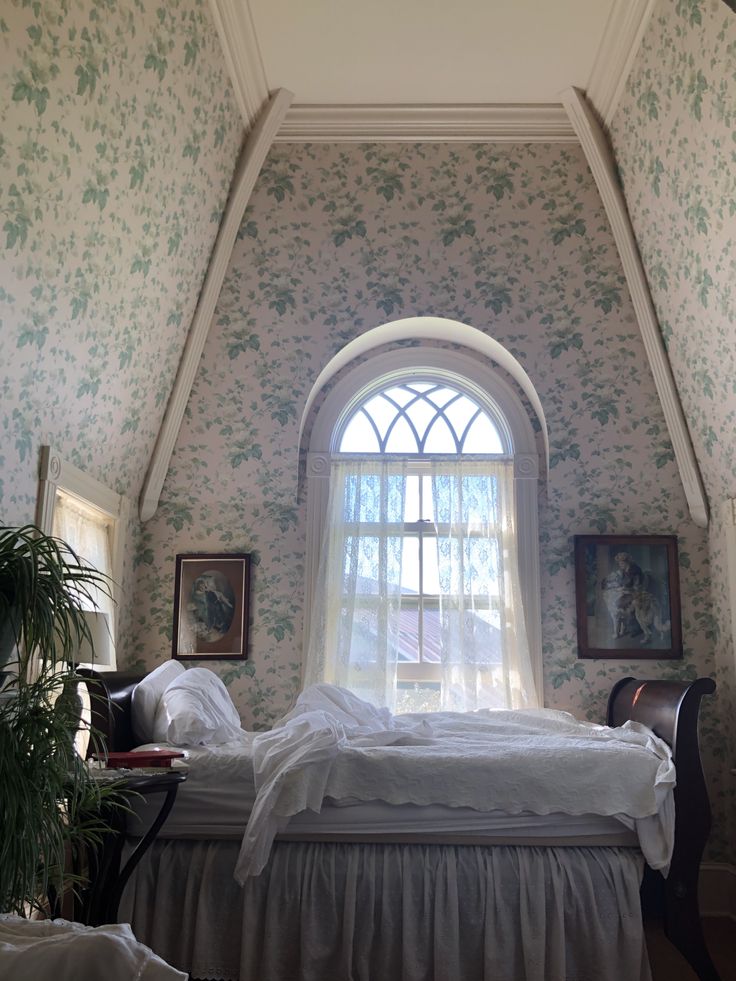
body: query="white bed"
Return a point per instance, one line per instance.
(398, 888)
(217, 798)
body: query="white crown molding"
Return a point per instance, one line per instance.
(543, 123)
(249, 165)
(601, 162)
(234, 23)
(618, 49)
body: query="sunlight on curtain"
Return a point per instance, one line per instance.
(88, 531)
(485, 658)
(354, 636)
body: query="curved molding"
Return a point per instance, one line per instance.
(247, 170)
(541, 123)
(434, 329)
(601, 162)
(461, 370)
(618, 49)
(239, 42)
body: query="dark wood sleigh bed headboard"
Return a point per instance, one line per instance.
(670, 708)
(111, 694)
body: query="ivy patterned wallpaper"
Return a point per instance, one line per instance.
(674, 136)
(118, 139)
(338, 239)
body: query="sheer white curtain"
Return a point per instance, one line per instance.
(87, 531)
(355, 621)
(485, 654)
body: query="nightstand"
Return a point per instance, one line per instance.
(98, 902)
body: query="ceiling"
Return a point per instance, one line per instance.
(428, 69)
(426, 51)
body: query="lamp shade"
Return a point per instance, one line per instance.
(99, 653)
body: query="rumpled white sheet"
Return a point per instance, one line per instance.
(57, 950)
(333, 744)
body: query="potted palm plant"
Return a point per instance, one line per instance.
(49, 803)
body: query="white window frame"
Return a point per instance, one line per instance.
(480, 381)
(57, 474)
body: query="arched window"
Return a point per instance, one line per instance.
(426, 588)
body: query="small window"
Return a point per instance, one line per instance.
(85, 514)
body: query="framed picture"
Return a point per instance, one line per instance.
(211, 607)
(627, 592)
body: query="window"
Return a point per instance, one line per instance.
(420, 604)
(87, 516)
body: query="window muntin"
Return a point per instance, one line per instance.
(420, 419)
(517, 677)
(423, 418)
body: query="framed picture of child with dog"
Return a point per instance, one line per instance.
(628, 596)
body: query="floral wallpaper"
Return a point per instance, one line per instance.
(118, 139)
(340, 238)
(673, 137)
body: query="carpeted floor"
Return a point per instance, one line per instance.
(668, 965)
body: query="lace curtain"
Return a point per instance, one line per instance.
(87, 531)
(354, 635)
(483, 649)
(485, 654)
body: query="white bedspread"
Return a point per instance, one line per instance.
(333, 744)
(57, 950)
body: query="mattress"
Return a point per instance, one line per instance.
(217, 797)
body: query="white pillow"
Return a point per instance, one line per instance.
(196, 708)
(146, 695)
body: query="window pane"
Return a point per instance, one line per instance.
(483, 437)
(408, 636)
(382, 412)
(418, 696)
(440, 439)
(402, 439)
(410, 566)
(427, 500)
(441, 396)
(431, 569)
(371, 560)
(359, 436)
(412, 504)
(460, 413)
(422, 416)
(432, 651)
(401, 395)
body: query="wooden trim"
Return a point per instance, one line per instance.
(717, 889)
(542, 123)
(248, 168)
(234, 22)
(600, 160)
(618, 49)
(429, 328)
(729, 536)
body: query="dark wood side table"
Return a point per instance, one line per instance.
(98, 902)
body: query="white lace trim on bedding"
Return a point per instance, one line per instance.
(333, 744)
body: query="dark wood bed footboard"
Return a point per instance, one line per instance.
(671, 709)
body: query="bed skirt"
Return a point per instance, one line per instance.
(360, 912)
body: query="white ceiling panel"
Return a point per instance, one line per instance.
(424, 51)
